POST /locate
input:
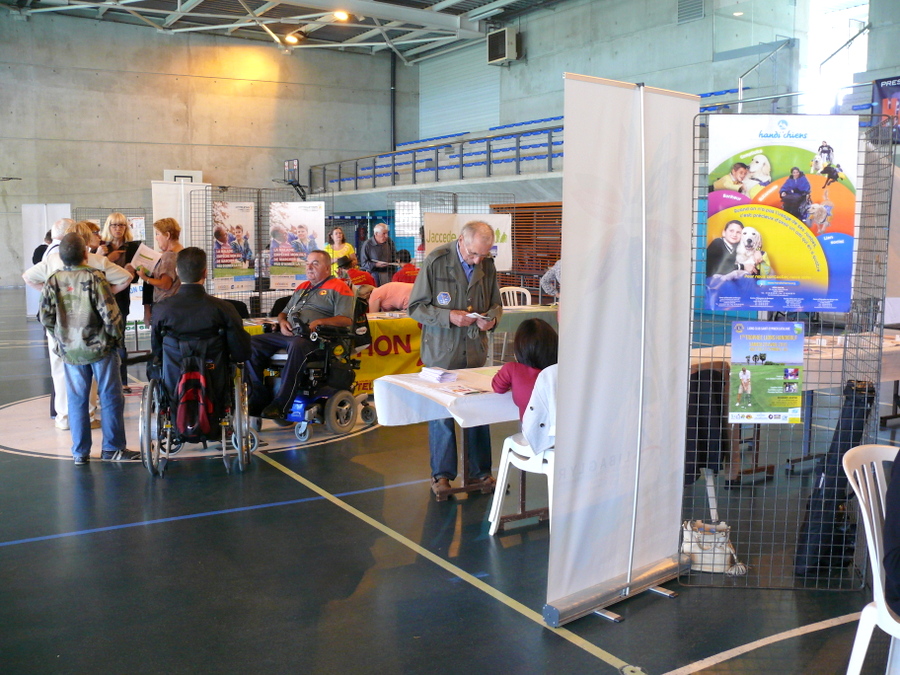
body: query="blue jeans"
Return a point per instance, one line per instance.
(109, 389)
(442, 445)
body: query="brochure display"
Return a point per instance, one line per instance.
(781, 209)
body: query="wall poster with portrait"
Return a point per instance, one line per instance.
(782, 212)
(295, 230)
(233, 230)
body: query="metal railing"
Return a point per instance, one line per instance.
(530, 151)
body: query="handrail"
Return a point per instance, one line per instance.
(740, 100)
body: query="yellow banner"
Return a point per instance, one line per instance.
(394, 350)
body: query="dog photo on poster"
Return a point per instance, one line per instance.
(782, 212)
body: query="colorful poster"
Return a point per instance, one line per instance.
(295, 229)
(233, 229)
(782, 212)
(766, 372)
(886, 97)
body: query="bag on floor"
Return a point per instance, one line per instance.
(709, 545)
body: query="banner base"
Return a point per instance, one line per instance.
(585, 602)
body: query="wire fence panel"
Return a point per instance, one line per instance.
(780, 487)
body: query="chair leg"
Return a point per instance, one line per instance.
(861, 642)
(499, 491)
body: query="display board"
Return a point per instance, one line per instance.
(441, 228)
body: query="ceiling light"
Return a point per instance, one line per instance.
(341, 15)
(291, 39)
(738, 14)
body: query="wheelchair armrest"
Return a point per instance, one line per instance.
(326, 332)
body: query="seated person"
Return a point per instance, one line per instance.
(536, 346)
(352, 274)
(321, 300)
(539, 421)
(391, 297)
(193, 314)
(891, 534)
(408, 272)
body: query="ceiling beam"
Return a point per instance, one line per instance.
(460, 26)
(183, 8)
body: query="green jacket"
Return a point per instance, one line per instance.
(78, 308)
(441, 286)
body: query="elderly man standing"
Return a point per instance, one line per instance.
(377, 255)
(457, 280)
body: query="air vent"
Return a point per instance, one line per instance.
(501, 46)
(689, 10)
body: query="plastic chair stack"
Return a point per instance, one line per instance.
(864, 466)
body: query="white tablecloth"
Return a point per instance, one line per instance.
(409, 399)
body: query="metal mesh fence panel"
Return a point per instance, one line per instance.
(780, 487)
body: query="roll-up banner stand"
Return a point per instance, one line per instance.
(624, 343)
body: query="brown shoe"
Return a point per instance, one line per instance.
(440, 486)
(487, 483)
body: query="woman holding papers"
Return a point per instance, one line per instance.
(163, 278)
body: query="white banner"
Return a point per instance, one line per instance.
(624, 341)
(443, 227)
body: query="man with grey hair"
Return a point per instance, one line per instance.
(57, 232)
(456, 298)
(377, 255)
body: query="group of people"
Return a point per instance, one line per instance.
(455, 297)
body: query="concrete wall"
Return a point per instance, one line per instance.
(632, 41)
(93, 111)
(884, 57)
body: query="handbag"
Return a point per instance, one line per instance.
(710, 549)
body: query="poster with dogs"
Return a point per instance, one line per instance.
(233, 228)
(781, 212)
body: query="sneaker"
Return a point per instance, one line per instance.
(126, 390)
(82, 460)
(121, 456)
(62, 425)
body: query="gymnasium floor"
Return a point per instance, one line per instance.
(330, 558)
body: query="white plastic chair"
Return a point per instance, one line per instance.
(512, 296)
(864, 466)
(518, 453)
(515, 296)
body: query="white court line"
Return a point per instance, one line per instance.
(772, 639)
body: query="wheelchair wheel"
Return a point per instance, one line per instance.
(340, 412)
(302, 431)
(368, 415)
(152, 427)
(243, 439)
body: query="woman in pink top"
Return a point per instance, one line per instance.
(536, 346)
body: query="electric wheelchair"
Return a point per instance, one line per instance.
(324, 392)
(168, 419)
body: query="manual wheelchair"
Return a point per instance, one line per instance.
(228, 420)
(323, 394)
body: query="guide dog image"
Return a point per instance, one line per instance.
(818, 218)
(749, 249)
(759, 174)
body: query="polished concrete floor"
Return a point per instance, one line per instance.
(325, 558)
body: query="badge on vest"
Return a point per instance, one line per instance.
(443, 298)
(323, 292)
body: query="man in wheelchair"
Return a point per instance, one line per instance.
(322, 303)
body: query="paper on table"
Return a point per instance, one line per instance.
(462, 390)
(145, 257)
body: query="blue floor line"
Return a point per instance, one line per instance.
(142, 523)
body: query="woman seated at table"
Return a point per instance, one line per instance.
(536, 346)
